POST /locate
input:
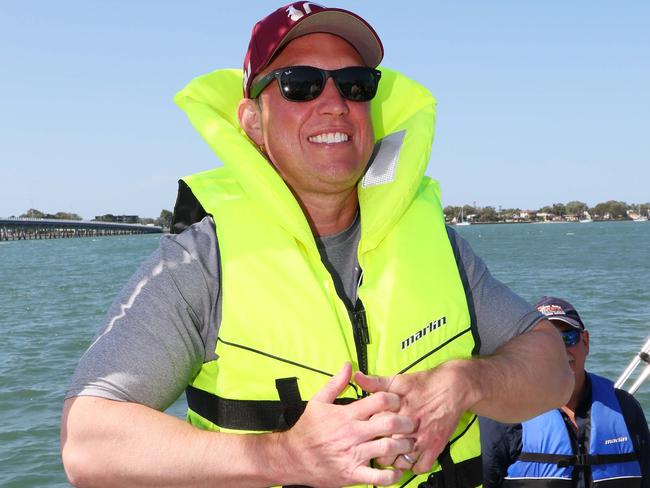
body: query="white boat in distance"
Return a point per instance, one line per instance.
(640, 218)
(586, 218)
(462, 221)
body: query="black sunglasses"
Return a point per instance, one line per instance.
(304, 83)
(570, 337)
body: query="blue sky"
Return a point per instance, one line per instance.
(539, 102)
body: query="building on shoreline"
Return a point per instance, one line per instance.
(122, 219)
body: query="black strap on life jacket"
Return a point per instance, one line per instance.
(538, 483)
(292, 403)
(254, 415)
(293, 406)
(466, 474)
(235, 414)
(564, 461)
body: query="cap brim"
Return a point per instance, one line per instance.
(567, 320)
(343, 24)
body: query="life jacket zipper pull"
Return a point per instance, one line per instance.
(360, 322)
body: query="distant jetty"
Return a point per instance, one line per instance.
(24, 229)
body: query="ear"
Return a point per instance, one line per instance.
(585, 339)
(250, 119)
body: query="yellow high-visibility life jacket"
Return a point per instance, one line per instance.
(284, 330)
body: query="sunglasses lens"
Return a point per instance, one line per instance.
(304, 83)
(357, 83)
(301, 83)
(570, 337)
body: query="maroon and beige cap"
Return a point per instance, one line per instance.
(558, 310)
(300, 18)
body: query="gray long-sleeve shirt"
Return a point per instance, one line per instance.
(164, 323)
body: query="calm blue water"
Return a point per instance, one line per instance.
(54, 293)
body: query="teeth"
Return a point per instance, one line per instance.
(329, 138)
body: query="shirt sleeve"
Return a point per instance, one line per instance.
(500, 313)
(637, 426)
(153, 339)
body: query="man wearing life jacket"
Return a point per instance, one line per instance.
(317, 251)
(599, 438)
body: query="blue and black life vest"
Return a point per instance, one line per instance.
(548, 459)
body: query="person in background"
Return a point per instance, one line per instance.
(319, 249)
(599, 438)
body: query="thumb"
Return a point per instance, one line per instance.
(335, 386)
(373, 384)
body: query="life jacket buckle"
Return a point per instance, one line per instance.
(582, 460)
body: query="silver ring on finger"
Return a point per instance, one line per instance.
(409, 459)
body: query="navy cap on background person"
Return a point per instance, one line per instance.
(299, 18)
(560, 310)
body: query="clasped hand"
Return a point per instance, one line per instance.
(413, 414)
(434, 400)
(333, 445)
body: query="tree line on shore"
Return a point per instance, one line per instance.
(163, 220)
(573, 210)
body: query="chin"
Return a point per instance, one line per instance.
(343, 174)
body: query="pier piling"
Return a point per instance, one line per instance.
(27, 229)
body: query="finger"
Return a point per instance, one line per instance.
(377, 477)
(386, 460)
(428, 457)
(335, 386)
(384, 447)
(373, 384)
(387, 424)
(374, 404)
(428, 451)
(402, 463)
(390, 460)
(425, 462)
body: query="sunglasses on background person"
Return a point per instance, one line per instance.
(571, 337)
(304, 83)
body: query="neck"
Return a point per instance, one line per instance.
(576, 396)
(330, 213)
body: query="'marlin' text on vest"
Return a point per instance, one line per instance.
(430, 327)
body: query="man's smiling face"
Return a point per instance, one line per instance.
(323, 145)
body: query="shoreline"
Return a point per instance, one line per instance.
(542, 222)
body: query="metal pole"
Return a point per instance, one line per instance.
(640, 380)
(643, 355)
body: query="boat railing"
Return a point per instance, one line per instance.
(642, 358)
